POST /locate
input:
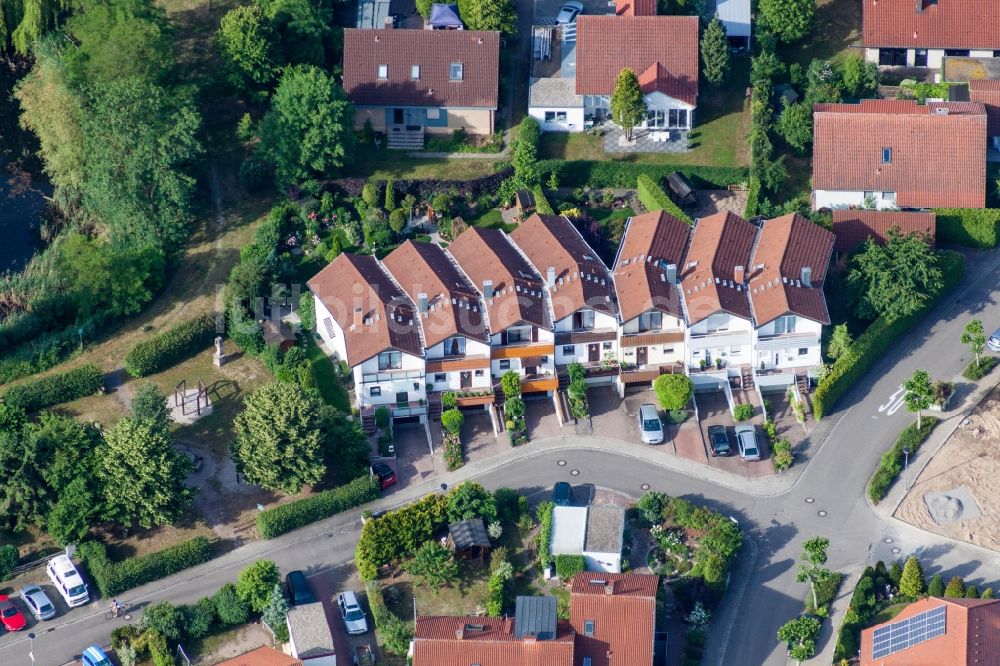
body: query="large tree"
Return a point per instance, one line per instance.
(345, 445)
(811, 568)
(143, 475)
(433, 565)
(628, 109)
(470, 500)
(715, 59)
(23, 22)
(860, 78)
(247, 43)
(788, 20)
(492, 15)
(70, 519)
(919, 393)
(149, 404)
(795, 124)
(279, 444)
(307, 133)
(25, 498)
(912, 583)
(895, 279)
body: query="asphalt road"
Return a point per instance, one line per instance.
(828, 499)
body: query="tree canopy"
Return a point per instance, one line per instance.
(715, 58)
(795, 124)
(895, 279)
(247, 43)
(628, 107)
(788, 20)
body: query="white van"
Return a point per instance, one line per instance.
(68, 581)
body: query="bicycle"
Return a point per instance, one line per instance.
(122, 613)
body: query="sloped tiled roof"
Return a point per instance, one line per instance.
(651, 241)
(938, 151)
(608, 44)
(786, 245)
(854, 227)
(437, 643)
(582, 280)
(635, 7)
(434, 51)
(624, 620)
(987, 92)
(262, 656)
(453, 306)
(518, 294)
(388, 318)
(950, 24)
(719, 244)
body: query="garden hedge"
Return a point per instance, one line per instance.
(170, 347)
(652, 196)
(55, 389)
(542, 205)
(872, 344)
(394, 634)
(544, 512)
(891, 463)
(972, 227)
(612, 173)
(425, 189)
(113, 578)
(287, 517)
(568, 566)
(398, 534)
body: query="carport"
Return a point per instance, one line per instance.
(710, 382)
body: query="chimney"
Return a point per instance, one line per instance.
(422, 303)
(807, 276)
(671, 270)
(738, 274)
(389, 24)
(487, 288)
(460, 633)
(609, 588)
(357, 316)
(941, 110)
(551, 277)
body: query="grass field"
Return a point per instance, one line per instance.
(837, 29)
(327, 380)
(370, 163)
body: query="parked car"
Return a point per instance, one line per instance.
(68, 581)
(298, 588)
(384, 475)
(562, 494)
(569, 11)
(718, 441)
(353, 615)
(95, 656)
(38, 602)
(11, 615)
(746, 439)
(994, 341)
(650, 425)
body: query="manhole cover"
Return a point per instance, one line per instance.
(810, 500)
(561, 463)
(645, 486)
(821, 514)
(127, 617)
(896, 550)
(887, 539)
(574, 472)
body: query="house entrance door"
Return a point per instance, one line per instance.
(397, 117)
(641, 355)
(465, 379)
(594, 352)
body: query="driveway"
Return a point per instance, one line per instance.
(540, 417)
(414, 462)
(714, 410)
(549, 9)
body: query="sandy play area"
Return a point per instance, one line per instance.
(958, 493)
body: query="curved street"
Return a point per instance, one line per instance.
(823, 496)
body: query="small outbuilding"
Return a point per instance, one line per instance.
(469, 539)
(445, 17)
(524, 202)
(681, 190)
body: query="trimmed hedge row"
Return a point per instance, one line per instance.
(891, 462)
(580, 173)
(172, 346)
(55, 389)
(542, 205)
(652, 196)
(972, 227)
(116, 577)
(880, 335)
(287, 517)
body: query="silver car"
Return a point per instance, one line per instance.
(746, 440)
(650, 425)
(38, 602)
(352, 613)
(994, 341)
(569, 11)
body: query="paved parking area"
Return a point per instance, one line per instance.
(714, 410)
(325, 587)
(540, 417)
(478, 440)
(549, 9)
(617, 417)
(414, 462)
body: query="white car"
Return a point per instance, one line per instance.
(68, 581)
(650, 425)
(38, 603)
(994, 341)
(746, 440)
(352, 613)
(569, 11)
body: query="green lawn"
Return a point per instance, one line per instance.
(838, 26)
(370, 163)
(491, 219)
(887, 613)
(605, 216)
(327, 380)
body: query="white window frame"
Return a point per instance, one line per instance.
(415, 72)
(456, 71)
(382, 72)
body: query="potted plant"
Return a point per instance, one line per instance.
(702, 363)
(718, 363)
(943, 391)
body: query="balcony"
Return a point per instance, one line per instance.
(524, 350)
(580, 337)
(593, 369)
(466, 398)
(390, 376)
(404, 409)
(457, 363)
(648, 373)
(650, 338)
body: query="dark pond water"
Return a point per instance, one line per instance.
(20, 213)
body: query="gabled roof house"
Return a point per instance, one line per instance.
(987, 93)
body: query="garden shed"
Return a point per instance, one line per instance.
(469, 539)
(524, 201)
(681, 189)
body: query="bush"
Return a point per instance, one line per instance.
(165, 618)
(200, 618)
(619, 174)
(55, 389)
(653, 197)
(449, 400)
(8, 560)
(781, 455)
(113, 578)
(871, 345)
(398, 534)
(972, 227)
(452, 420)
(891, 463)
(287, 517)
(307, 311)
(394, 634)
(976, 371)
(255, 582)
(673, 392)
(544, 513)
(229, 608)
(568, 566)
(453, 455)
(743, 411)
(170, 347)
(542, 205)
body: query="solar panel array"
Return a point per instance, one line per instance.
(897, 636)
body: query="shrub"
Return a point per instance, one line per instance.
(955, 588)
(307, 311)
(653, 197)
(871, 345)
(542, 205)
(510, 382)
(200, 618)
(568, 566)
(781, 455)
(452, 420)
(55, 389)
(255, 582)
(976, 371)
(453, 455)
(383, 417)
(972, 227)
(287, 517)
(113, 578)
(170, 347)
(230, 609)
(508, 503)
(166, 619)
(398, 534)
(743, 412)
(544, 513)
(8, 560)
(673, 392)
(891, 463)
(449, 400)
(619, 174)
(394, 634)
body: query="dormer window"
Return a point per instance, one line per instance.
(383, 72)
(415, 72)
(455, 71)
(887, 156)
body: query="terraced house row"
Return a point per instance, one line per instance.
(724, 301)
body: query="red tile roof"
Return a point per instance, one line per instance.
(719, 244)
(608, 44)
(854, 227)
(786, 245)
(987, 92)
(434, 51)
(437, 643)
(635, 7)
(518, 293)
(453, 305)
(651, 241)
(582, 280)
(623, 610)
(388, 318)
(262, 656)
(938, 158)
(950, 24)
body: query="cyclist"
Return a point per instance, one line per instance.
(116, 608)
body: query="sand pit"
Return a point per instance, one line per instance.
(958, 493)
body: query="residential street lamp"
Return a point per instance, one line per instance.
(31, 649)
(906, 470)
